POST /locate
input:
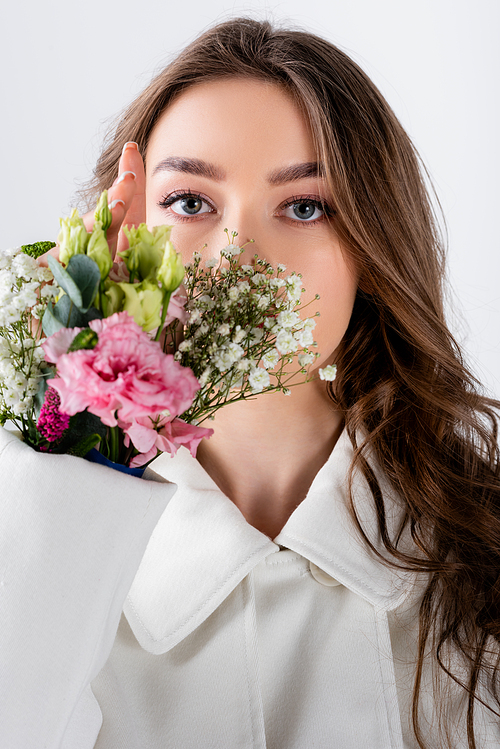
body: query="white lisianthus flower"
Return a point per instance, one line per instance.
(270, 359)
(285, 342)
(258, 379)
(329, 373)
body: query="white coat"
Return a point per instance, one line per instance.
(135, 616)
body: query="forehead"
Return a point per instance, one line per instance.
(232, 120)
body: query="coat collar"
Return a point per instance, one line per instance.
(202, 547)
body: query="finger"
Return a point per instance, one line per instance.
(131, 160)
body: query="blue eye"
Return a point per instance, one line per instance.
(186, 204)
(306, 211)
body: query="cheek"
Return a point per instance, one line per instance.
(337, 288)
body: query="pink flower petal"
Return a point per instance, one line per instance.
(57, 344)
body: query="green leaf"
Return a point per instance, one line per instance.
(87, 276)
(80, 279)
(65, 281)
(50, 323)
(47, 374)
(85, 445)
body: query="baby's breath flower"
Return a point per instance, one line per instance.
(294, 287)
(243, 365)
(306, 358)
(258, 379)
(270, 359)
(212, 262)
(231, 250)
(223, 329)
(185, 345)
(226, 356)
(258, 279)
(281, 268)
(244, 286)
(288, 319)
(304, 337)
(233, 293)
(285, 342)
(239, 334)
(329, 373)
(247, 269)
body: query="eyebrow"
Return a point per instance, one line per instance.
(295, 173)
(190, 166)
(201, 168)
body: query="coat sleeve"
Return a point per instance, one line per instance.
(72, 535)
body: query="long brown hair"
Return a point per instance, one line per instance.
(402, 383)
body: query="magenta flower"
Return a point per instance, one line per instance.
(125, 377)
(52, 423)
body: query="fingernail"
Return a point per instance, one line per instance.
(115, 203)
(122, 177)
(130, 144)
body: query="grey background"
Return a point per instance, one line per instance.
(68, 69)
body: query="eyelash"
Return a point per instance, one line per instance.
(168, 200)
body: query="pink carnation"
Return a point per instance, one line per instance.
(170, 436)
(126, 376)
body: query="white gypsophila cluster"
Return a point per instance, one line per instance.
(25, 290)
(245, 333)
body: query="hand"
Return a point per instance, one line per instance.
(128, 196)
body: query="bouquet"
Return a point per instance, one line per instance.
(130, 357)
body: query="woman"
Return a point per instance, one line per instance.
(327, 571)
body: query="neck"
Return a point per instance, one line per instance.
(265, 453)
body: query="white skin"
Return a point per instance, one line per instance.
(264, 453)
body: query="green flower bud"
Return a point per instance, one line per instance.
(72, 238)
(145, 251)
(112, 298)
(102, 212)
(98, 250)
(171, 271)
(144, 302)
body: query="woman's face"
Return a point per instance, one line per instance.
(237, 154)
